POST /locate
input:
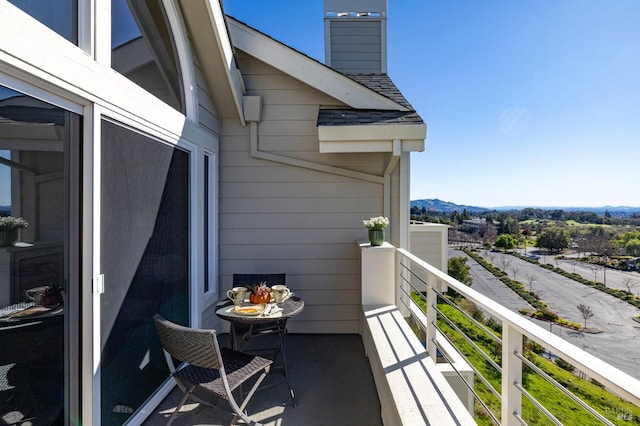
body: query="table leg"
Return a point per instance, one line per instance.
(234, 338)
(282, 332)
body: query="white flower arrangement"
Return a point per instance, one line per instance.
(8, 223)
(376, 223)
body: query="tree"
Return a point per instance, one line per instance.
(531, 279)
(556, 214)
(633, 247)
(628, 282)
(514, 270)
(488, 232)
(553, 239)
(595, 269)
(459, 270)
(586, 313)
(597, 240)
(508, 225)
(627, 236)
(506, 241)
(504, 263)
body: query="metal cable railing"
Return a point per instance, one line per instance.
(469, 317)
(444, 354)
(535, 402)
(563, 389)
(475, 370)
(469, 385)
(467, 339)
(411, 287)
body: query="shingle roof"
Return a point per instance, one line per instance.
(345, 117)
(382, 84)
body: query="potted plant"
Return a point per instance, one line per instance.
(9, 227)
(259, 293)
(376, 226)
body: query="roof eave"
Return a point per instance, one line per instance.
(371, 138)
(210, 38)
(307, 70)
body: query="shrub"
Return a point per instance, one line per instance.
(534, 347)
(494, 325)
(564, 365)
(476, 313)
(548, 314)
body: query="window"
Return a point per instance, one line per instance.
(39, 302)
(59, 15)
(143, 49)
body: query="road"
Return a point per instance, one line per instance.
(619, 342)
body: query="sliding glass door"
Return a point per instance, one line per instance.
(145, 261)
(39, 260)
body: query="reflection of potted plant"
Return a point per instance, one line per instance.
(376, 226)
(51, 296)
(9, 227)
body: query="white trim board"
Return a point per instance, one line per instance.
(307, 70)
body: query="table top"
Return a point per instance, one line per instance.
(282, 311)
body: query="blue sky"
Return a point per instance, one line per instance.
(532, 103)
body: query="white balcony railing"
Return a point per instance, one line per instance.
(415, 279)
(415, 276)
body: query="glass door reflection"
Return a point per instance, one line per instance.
(34, 224)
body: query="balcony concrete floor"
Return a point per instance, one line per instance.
(331, 378)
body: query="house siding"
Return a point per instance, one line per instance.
(207, 116)
(430, 242)
(355, 46)
(276, 217)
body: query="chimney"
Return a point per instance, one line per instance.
(355, 36)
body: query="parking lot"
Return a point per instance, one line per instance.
(618, 343)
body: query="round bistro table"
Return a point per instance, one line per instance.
(245, 327)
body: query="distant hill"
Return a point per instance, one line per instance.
(448, 207)
(5, 210)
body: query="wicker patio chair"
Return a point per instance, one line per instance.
(218, 371)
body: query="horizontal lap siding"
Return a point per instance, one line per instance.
(428, 246)
(207, 116)
(356, 46)
(354, 162)
(279, 218)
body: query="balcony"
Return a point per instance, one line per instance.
(386, 376)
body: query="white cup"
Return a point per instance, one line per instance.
(237, 294)
(280, 293)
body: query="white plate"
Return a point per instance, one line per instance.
(249, 310)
